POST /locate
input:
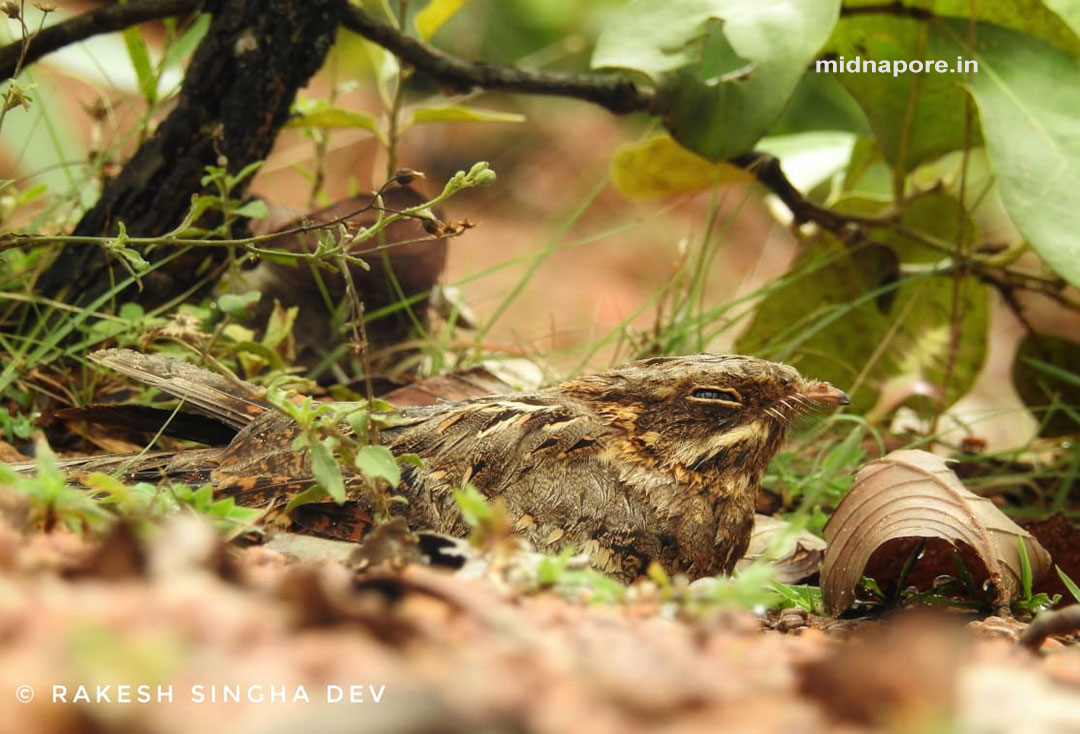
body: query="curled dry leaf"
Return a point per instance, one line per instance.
(913, 494)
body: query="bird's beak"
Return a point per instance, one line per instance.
(823, 392)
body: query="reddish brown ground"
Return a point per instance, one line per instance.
(467, 654)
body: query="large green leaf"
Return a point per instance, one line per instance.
(849, 317)
(916, 117)
(724, 69)
(1028, 94)
(827, 317)
(939, 346)
(819, 103)
(1046, 19)
(937, 215)
(1068, 11)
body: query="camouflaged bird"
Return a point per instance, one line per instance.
(659, 459)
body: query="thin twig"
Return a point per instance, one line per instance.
(896, 8)
(13, 240)
(1050, 623)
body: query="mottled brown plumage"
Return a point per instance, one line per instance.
(656, 460)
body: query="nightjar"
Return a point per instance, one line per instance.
(659, 459)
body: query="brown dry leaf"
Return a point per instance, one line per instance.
(913, 494)
(799, 559)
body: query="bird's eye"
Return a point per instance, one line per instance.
(717, 394)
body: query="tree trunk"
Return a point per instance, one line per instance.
(235, 98)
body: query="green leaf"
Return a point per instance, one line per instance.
(48, 470)
(186, 44)
(821, 104)
(661, 167)
(474, 507)
(140, 61)
(724, 69)
(279, 326)
(844, 457)
(307, 497)
(413, 460)
(826, 317)
(925, 350)
(239, 305)
(1069, 584)
(461, 113)
(326, 470)
(916, 117)
(1069, 12)
(337, 117)
(232, 181)
(132, 312)
(1028, 94)
(376, 462)
(937, 215)
(254, 356)
(433, 15)
(254, 209)
(1046, 372)
(1045, 19)
(1025, 568)
(360, 422)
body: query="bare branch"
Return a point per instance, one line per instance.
(81, 27)
(766, 169)
(616, 93)
(896, 8)
(1050, 623)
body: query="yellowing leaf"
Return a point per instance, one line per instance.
(913, 494)
(432, 17)
(460, 113)
(661, 167)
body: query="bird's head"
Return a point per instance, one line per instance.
(704, 413)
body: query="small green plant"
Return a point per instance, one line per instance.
(1031, 604)
(492, 530)
(53, 502)
(337, 435)
(803, 596)
(571, 580)
(101, 500)
(752, 587)
(15, 427)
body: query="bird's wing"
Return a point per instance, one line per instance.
(497, 436)
(231, 400)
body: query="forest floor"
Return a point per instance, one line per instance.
(256, 639)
